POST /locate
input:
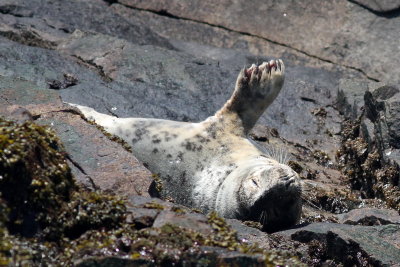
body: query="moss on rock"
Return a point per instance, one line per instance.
(35, 179)
(86, 211)
(39, 198)
(169, 245)
(365, 168)
(46, 219)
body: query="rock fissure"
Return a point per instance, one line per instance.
(98, 68)
(169, 15)
(79, 167)
(10, 10)
(389, 14)
(45, 44)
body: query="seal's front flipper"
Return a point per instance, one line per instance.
(256, 88)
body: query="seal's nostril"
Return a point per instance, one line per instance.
(290, 181)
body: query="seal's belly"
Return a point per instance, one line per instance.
(190, 160)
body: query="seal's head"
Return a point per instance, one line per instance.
(264, 191)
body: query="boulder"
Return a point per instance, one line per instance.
(23, 20)
(385, 8)
(339, 32)
(351, 245)
(336, 121)
(369, 217)
(96, 161)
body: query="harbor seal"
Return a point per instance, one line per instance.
(212, 165)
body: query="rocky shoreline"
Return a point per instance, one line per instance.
(337, 119)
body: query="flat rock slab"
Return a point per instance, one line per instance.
(96, 161)
(194, 221)
(153, 82)
(161, 212)
(154, 212)
(204, 256)
(382, 6)
(376, 245)
(148, 212)
(49, 17)
(369, 217)
(340, 31)
(266, 241)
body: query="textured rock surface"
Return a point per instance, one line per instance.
(369, 217)
(337, 31)
(191, 90)
(336, 121)
(359, 245)
(384, 7)
(57, 18)
(96, 161)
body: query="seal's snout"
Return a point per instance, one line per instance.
(285, 176)
(289, 181)
(279, 206)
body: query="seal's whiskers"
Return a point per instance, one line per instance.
(278, 153)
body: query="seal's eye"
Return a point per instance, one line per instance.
(254, 182)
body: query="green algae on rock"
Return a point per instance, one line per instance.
(86, 211)
(39, 197)
(35, 177)
(35, 181)
(366, 169)
(169, 245)
(47, 219)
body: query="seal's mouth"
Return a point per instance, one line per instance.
(275, 211)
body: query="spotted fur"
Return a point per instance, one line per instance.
(212, 165)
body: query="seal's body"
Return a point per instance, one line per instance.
(212, 165)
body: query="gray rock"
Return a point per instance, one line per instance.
(152, 82)
(388, 98)
(67, 16)
(233, 258)
(43, 66)
(250, 234)
(141, 201)
(347, 244)
(350, 99)
(202, 39)
(96, 161)
(195, 221)
(205, 256)
(113, 261)
(369, 217)
(144, 202)
(31, 31)
(378, 106)
(141, 217)
(269, 242)
(382, 7)
(348, 35)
